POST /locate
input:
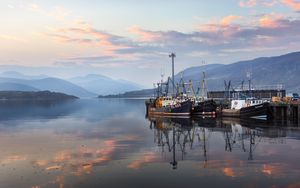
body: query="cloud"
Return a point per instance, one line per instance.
(147, 158)
(67, 39)
(58, 12)
(10, 6)
(84, 33)
(227, 35)
(72, 163)
(294, 4)
(271, 21)
(248, 3)
(12, 159)
(12, 38)
(229, 19)
(229, 172)
(145, 36)
(270, 3)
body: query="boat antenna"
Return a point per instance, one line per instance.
(162, 74)
(155, 90)
(173, 55)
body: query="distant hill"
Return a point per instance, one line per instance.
(131, 94)
(31, 95)
(7, 86)
(86, 86)
(264, 71)
(51, 84)
(103, 85)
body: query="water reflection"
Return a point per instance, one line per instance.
(109, 143)
(180, 136)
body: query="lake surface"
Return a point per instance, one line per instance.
(110, 143)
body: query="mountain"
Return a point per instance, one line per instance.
(7, 86)
(265, 71)
(194, 71)
(51, 84)
(104, 85)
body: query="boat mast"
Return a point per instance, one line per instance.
(174, 162)
(203, 82)
(172, 55)
(249, 80)
(203, 86)
(162, 82)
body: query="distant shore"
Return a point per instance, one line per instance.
(145, 93)
(34, 95)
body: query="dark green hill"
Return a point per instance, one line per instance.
(32, 95)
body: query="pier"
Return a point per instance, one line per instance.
(285, 111)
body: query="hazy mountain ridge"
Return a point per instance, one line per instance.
(85, 86)
(8, 86)
(51, 84)
(103, 85)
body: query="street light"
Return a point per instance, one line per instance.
(173, 55)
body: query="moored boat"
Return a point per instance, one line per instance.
(247, 108)
(168, 106)
(206, 107)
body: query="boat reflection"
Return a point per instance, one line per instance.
(181, 136)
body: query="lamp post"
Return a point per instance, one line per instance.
(172, 55)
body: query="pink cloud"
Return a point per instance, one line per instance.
(72, 161)
(148, 157)
(83, 33)
(12, 159)
(229, 19)
(248, 3)
(253, 3)
(271, 21)
(144, 35)
(295, 5)
(270, 3)
(225, 27)
(229, 172)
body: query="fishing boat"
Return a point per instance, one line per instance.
(168, 106)
(203, 106)
(247, 108)
(206, 107)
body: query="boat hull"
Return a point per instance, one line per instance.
(260, 110)
(182, 109)
(207, 107)
(230, 113)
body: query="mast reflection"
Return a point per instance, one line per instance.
(180, 136)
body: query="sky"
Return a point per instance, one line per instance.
(132, 39)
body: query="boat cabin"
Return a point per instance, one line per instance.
(238, 104)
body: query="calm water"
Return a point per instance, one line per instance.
(110, 143)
